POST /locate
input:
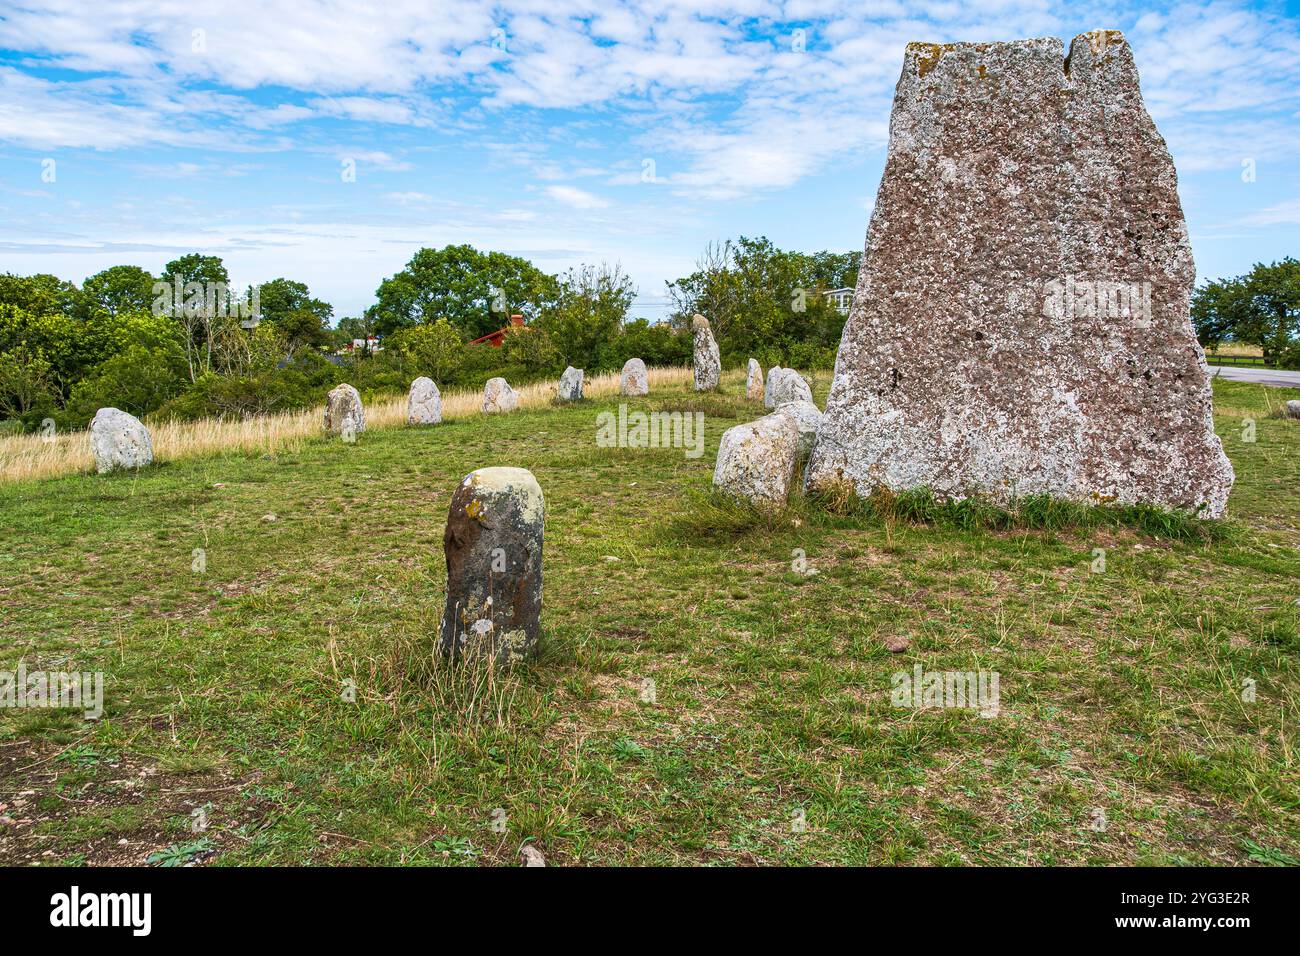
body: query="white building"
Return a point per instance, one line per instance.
(840, 299)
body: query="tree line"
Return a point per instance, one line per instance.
(1260, 308)
(185, 344)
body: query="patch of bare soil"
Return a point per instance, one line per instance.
(78, 806)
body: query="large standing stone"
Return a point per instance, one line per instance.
(1021, 318)
(493, 545)
(786, 385)
(424, 403)
(343, 412)
(633, 381)
(571, 385)
(808, 418)
(498, 396)
(708, 363)
(754, 382)
(119, 440)
(756, 461)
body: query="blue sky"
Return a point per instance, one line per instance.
(566, 132)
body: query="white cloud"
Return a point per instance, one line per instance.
(577, 198)
(717, 86)
(1282, 214)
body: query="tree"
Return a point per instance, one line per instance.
(65, 343)
(833, 270)
(763, 301)
(41, 294)
(475, 291)
(196, 267)
(138, 381)
(26, 382)
(529, 348)
(588, 315)
(118, 289)
(289, 305)
(1260, 308)
(213, 339)
(433, 348)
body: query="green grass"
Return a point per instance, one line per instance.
(226, 691)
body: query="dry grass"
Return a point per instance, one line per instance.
(1235, 348)
(35, 456)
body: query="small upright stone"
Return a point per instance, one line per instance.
(498, 396)
(633, 381)
(1293, 409)
(424, 404)
(343, 412)
(119, 440)
(754, 384)
(708, 363)
(571, 385)
(808, 418)
(493, 545)
(757, 460)
(787, 385)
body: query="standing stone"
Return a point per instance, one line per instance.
(1021, 320)
(343, 412)
(772, 375)
(708, 363)
(498, 396)
(786, 385)
(119, 440)
(808, 418)
(571, 385)
(1293, 408)
(754, 383)
(756, 461)
(424, 403)
(493, 545)
(633, 381)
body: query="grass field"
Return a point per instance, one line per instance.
(1126, 732)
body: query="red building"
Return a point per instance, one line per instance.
(496, 338)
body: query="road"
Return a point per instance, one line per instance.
(1262, 376)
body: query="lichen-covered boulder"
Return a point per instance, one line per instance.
(633, 380)
(754, 381)
(343, 412)
(1293, 408)
(493, 546)
(571, 385)
(119, 440)
(786, 385)
(424, 403)
(1021, 324)
(808, 418)
(707, 361)
(498, 396)
(757, 460)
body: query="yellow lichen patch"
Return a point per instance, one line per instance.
(1100, 40)
(927, 55)
(474, 509)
